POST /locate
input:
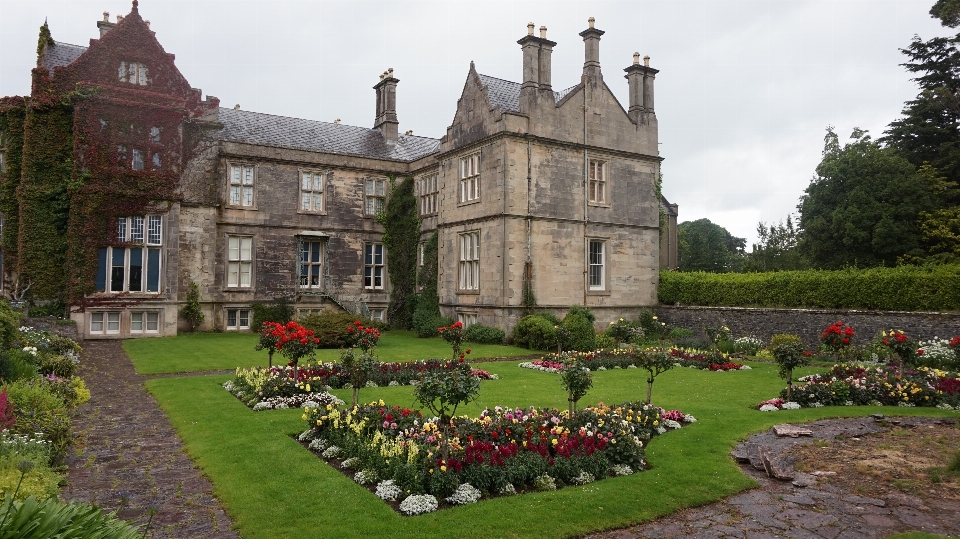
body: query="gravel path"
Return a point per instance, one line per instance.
(129, 457)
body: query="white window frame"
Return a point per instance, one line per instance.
(239, 261)
(374, 196)
(598, 181)
(469, 243)
(468, 318)
(145, 234)
(312, 184)
(108, 322)
(596, 264)
(148, 321)
(428, 188)
(133, 73)
(374, 267)
(242, 185)
(378, 314)
(308, 265)
(237, 313)
(470, 177)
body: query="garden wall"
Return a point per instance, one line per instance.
(809, 323)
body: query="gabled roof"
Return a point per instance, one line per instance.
(61, 54)
(506, 94)
(310, 135)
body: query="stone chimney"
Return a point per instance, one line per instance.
(386, 120)
(640, 81)
(105, 25)
(537, 52)
(591, 44)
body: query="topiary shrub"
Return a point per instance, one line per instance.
(582, 336)
(535, 332)
(481, 334)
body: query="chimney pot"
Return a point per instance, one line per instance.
(591, 21)
(236, 107)
(543, 32)
(646, 61)
(530, 28)
(390, 71)
(119, 18)
(410, 132)
(106, 16)
(636, 58)
(147, 23)
(337, 121)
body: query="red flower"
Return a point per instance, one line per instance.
(846, 340)
(468, 350)
(920, 352)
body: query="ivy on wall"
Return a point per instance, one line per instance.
(12, 115)
(401, 236)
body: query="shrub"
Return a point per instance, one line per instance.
(33, 519)
(426, 322)
(49, 308)
(9, 324)
(40, 481)
(279, 310)
(38, 409)
(333, 327)
(16, 364)
(784, 338)
(485, 334)
(57, 365)
(653, 328)
(192, 310)
(582, 336)
(606, 342)
(582, 311)
(535, 332)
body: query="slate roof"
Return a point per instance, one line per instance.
(61, 54)
(310, 135)
(506, 94)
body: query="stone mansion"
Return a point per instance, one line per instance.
(531, 188)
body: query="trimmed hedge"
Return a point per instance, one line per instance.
(904, 288)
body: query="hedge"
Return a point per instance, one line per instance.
(903, 288)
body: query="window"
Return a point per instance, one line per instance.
(467, 319)
(428, 190)
(376, 314)
(137, 163)
(238, 319)
(596, 265)
(155, 135)
(373, 266)
(375, 194)
(239, 261)
(105, 323)
(470, 261)
(311, 264)
(470, 178)
(144, 322)
(133, 72)
(241, 185)
(156, 160)
(135, 266)
(421, 250)
(311, 191)
(598, 182)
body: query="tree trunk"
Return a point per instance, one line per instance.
(572, 404)
(649, 389)
(270, 358)
(354, 393)
(789, 384)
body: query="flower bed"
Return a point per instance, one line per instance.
(285, 385)
(624, 358)
(852, 384)
(420, 463)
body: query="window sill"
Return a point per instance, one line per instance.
(245, 208)
(598, 292)
(599, 204)
(469, 292)
(469, 202)
(311, 212)
(238, 289)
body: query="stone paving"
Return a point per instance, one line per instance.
(128, 456)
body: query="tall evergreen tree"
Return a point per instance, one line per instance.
(706, 246)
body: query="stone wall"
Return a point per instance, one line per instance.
(809, 323)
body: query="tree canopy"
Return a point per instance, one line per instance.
(706, 246)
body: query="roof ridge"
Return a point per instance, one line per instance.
(58, 43)
(293, 118)
(498, 78)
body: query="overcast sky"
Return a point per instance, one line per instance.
(745, 89)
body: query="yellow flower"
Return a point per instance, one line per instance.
(304, 417)
(431, 470)
(443, 468)
(308, 388)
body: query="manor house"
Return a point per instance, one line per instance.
(138, 187)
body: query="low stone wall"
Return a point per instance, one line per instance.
(49, 323)
(809, 323)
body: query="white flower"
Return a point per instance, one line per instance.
(393, 383)
(545, 482)
(364, 477)
(418, 504)
(584, 478)
(601, 368)
(746, 368)
(331, 452)
(661, 430)
(318, 445)
(306, 435)
(669, 423)
(769, 408)
(465, 493)
(816, 405)
(262, 406)
(350, 463)
(689, 418)
(621, 469)
(791, 406)
(387, 490)
(371, 383)
(508, 490)
(631, 366)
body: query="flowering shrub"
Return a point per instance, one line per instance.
(418, 504)
(294, 341)
(502, 450)
(455, 335)
(622, 330)
(837, 338)
(899, 343)
(576, 381)
(938, 353)
(747, 345)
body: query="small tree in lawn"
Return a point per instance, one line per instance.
(359, 368)
(789, 355)
(655, 361)
(902, 345)
(576, 380)
(443, 390)
(294, 342)
(269, 338)
(192, 310)
(837, 337)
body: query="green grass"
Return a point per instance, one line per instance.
(273, 488)
(198, 352)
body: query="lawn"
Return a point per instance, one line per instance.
(198, 352)
(298, 495)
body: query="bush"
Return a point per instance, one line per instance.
(38, 409)
(279, 311)
(41, 481)
(425, 323)
(332, 327)
(535, 332)
(481, 334)
(31, 519)
(691, 342)
(927, 288)
(653, 328)
(9, 325)
(57, 365)
(16, 365)
(582, 336)
(785, 338)
(50, 308)
(582, 311)
(606, 342)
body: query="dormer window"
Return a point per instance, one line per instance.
(133, 73)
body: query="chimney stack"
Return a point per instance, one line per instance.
(105, 25)
(537, 52)
(591, 44)
(640, 81)
(386, 120)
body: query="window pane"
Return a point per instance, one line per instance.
(137, 159)
(317, 201)
(246, 245)
(153, 270)
(370, 187)
(305, 184)
(248, 196)
(136, 229)
(156, 160)
(117, 272)
(153, 321)
(136, 270)
(305, 201)
(380, 188)
(244, 318)
(154, 230)
(235, 175)
(113, 322)
(101, 281)
(245, 268)
(231, 318)
(233, 248)
(317, 180)
(247, 175)
(96, 323)
(122, 229)
(235, 195)
(136, 321)
(233, 274)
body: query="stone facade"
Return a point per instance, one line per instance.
(530, 190)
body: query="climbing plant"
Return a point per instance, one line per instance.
(401, 236)
(13, 112)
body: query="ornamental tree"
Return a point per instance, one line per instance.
(837, 337)
(455, 335)
(268, 341)
(576, 380)
(898, 342)
(359, 367)
(655, 361)
(789, 355)
(442, 390)
(293, 341)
